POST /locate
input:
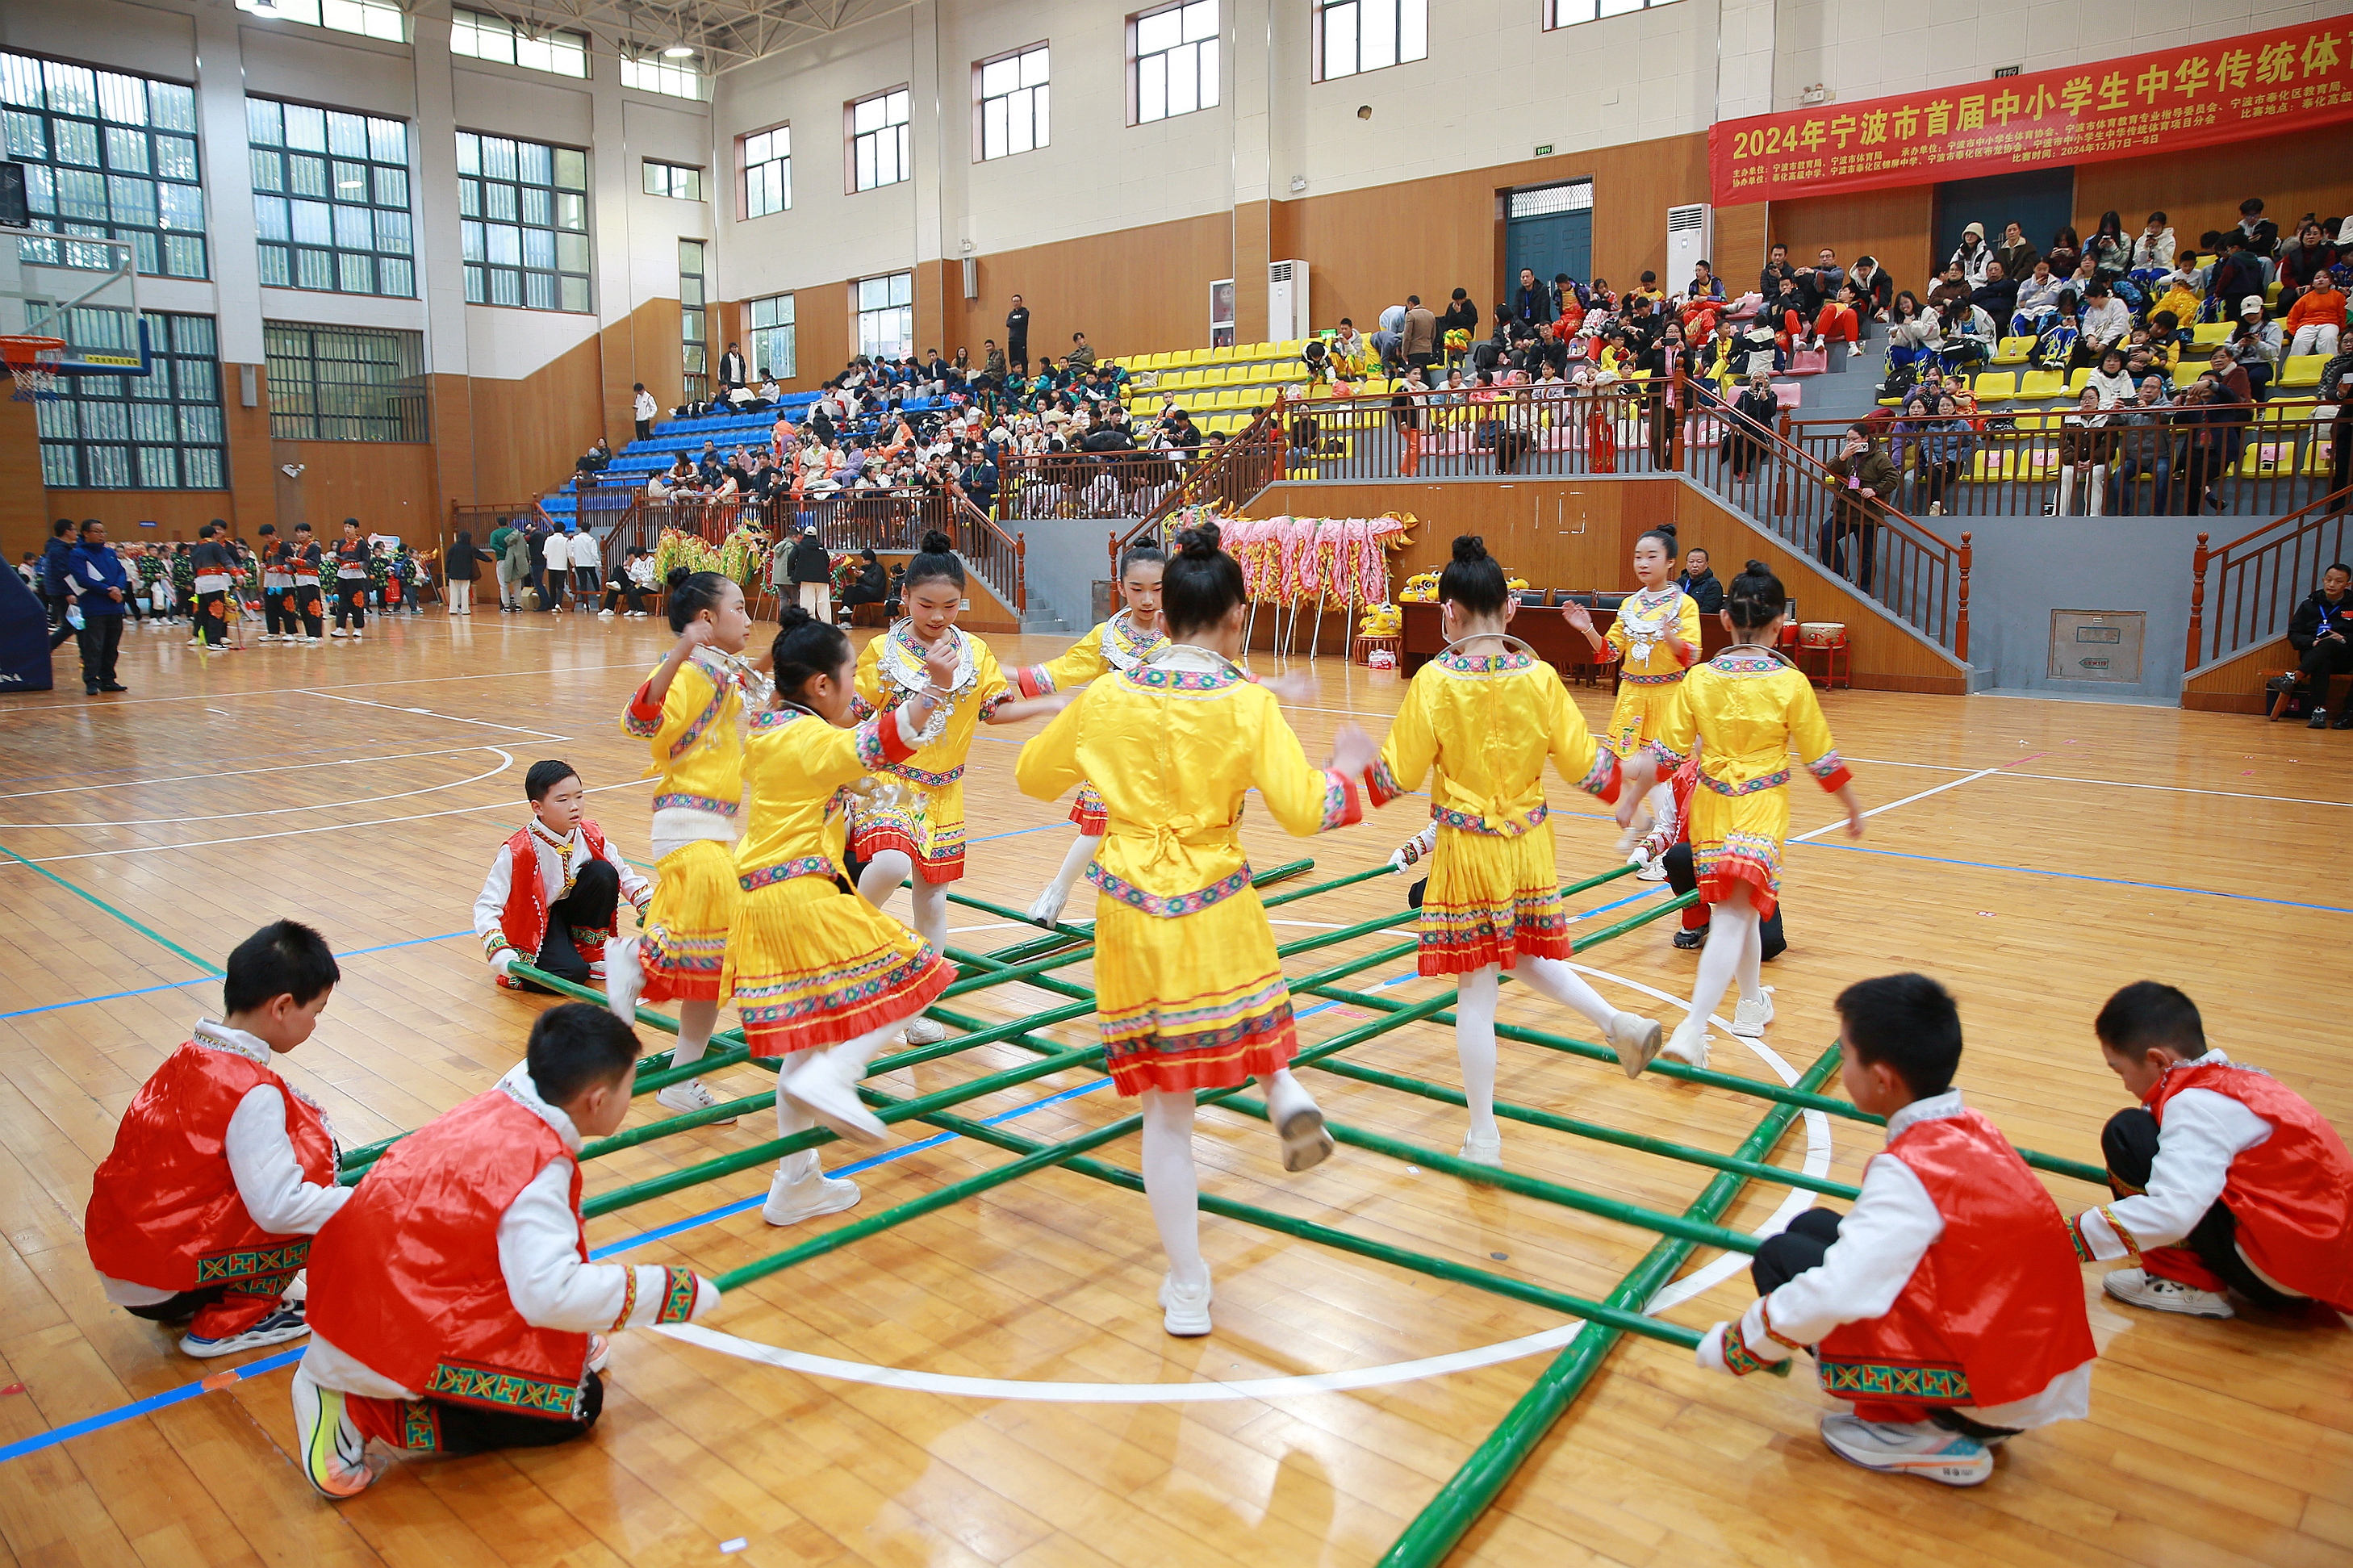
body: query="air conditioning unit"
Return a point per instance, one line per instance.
(1286, 301)
(1691, 234)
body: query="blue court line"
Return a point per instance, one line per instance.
(2080, 876)
(192, 980)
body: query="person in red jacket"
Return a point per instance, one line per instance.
(1946, 1307)
(2225, 1180)
(202, 1213)
(552, 896)
(453, 1308)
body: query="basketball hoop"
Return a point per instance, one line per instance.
(32, 363)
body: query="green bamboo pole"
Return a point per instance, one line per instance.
(1268, 878)
(1458, 1503)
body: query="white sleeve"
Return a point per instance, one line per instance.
(278, 1196)
(2203, 1132)
(490, 907)
(1879, 1244)
(539, 1256)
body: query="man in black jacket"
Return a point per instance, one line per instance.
(57, 565)
(1768, 281)
(2321, 631)
(1017, 336)
(809, 570)
(1699, 581)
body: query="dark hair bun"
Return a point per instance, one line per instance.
(1758, 567)
(677, 577)
(1666, 528)
(938, 544)
(1199, 543)
(1469, 548)
(793, 615)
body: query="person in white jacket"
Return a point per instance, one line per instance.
(587, 561)
(642, 408)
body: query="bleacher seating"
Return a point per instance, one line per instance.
(1222, 388)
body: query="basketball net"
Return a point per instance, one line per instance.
(33, 364)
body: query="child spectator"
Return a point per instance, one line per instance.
(2224, 1179)
(456, 1310)
(553, 898)
(1946, 1287)
(220, 1173)
(2318, 317)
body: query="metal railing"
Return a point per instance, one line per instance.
(2258, 578)
(1537, 431)
(1228, 477)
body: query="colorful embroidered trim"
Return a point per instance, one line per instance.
(628, 1299)
(641, 718)
(1744, 663)
(989, 708)
(773, 718)
(1738, 1359)
(1757, 785)
(1034, 680)
(710, 803)
(1668, 679)
(1341, 806)
(927, 780)
(1890, 1380)
(1825, 765)
(503, 1390)
(1601, 778)
(1381, 786)
(1765, 1313)
(677, 1301)
(2075, 1234)
(2131, 1243)
(1172, 906)
(1473, 822)
(253, 1262)
(784, 871)
(722, 687)
(494, 942)
(1485, 663)
(1160, 679)
(879, 742)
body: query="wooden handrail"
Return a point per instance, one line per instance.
(2197, 601)
(2238, 567)
(1962, 618)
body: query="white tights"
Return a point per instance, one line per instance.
(696, 1020)
(1475, 1022)
(882, 878)
(1735, 949)
(851, 1056)
(1075, 860)
(1170, 1184)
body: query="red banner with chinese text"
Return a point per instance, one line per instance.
(2287, 80)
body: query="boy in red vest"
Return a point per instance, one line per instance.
(453, 1307)
(553, 895)
(220, 1173)
(2224, 1179)
(1946, 1307)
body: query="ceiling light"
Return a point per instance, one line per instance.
(678, 52)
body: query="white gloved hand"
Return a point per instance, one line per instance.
(505, 962)
(1710, 1353)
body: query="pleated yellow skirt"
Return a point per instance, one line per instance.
(810, 966)
(1490, 898)
(685, 946)
(1198, 1002)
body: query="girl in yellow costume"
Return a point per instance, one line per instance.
(1119, 644)
(911, 826)
(1744, 706)
(1485, 714)
(1187, 988)
(690, 711)
(822, 978)
(1656, 637)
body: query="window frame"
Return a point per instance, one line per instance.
(850, 136)
(648, 165)
(408, 416)
(752, 330)
(858, 311)
(644, 60)
(1215, 75)
(744, 167)
(1040, 106)
(480, 217)
(41, 172)
(1322, 9)
(694, 315)
(1550, 21)
(168, 359)
(473, 23)
(285, 152)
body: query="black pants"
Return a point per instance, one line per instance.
(470, 1429)
(2322, 660)
(595, 898)
(212, 617)
(61, 631)
(615, 593)
(645, 429)
(1684, 878)
(554, 590)
(182, 1307)
(351, 602)
(101, 639)
(2129, 1149)
(274, 618)
(1851, 550)
(304, 602)
(2340, 457)
(584, 581)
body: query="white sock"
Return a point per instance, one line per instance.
(851, 1055)
(1661, 801)
(1075, 860)
(931, 911)
(1475, 1042)
(1554, 980)
(790, 1119)
(1170, 1184)
(1286, 1096)
(1752, 955)
(696, 1020)
(882, 876)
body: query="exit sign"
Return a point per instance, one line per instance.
(1544, 150)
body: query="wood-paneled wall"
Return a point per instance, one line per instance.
(2236, 686)
(24, 513)
(1896, 227)
(2294, 172)
(527, 432)
(392, 487)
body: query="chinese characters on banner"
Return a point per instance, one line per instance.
(2284, 82)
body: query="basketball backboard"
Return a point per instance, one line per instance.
(85, 291)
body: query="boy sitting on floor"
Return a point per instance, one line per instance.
(453, 1309)
(220, 1171)
(2224, 1179)
(1944, 1307)
(553, 895)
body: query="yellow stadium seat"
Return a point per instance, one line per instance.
(2269, 460)
(2302, 370)
(1291, 349)
(2272, 290)
(2210, 335)
(2318, 461)
(2043, 384)
(2014, 351)
(2078, 379)
(1231, 397)
(1225, 356)
(1992, 466)
(1997, 386)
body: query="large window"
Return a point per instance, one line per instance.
(878, 140)
(1175, 56)
(330, 199)
(487, 37)
(107, 155)
(369, 18)
(1568, 13)
(886, 316)
(522, 209)
(772, 351)
(656, 73)
(1355, 36)
(158, 431)
(1012, 94)
(693, 316)
(346, 384)
(673, 180)
(767, 160)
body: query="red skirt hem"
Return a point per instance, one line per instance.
(1256, 1061)
(868, 843)
(1717, 886)
(1092, 824)
(1458, 960)
(834, 1028)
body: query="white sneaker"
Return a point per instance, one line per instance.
(2142, 1289)
(1048, 905)
(1918, 1448)
(814, 1194)
(1185, 1313)
(1689, 1045)
(1636, 1041)
(1749, 1018)
(1487, 1150)
(604, 615)
(285, 1323)
(819, 1087)
(600, 1352)
(338, 631)
(925, 1032)
(334, 1457)
(624, 979)
(1654, 870)
(357, 636)
(1306, 1143)
(692, 1096)
(307, 641)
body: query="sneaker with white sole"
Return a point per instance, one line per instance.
(793, 1199)
(338, 631)
(1487, 1150)
(1306, 1143)
(694, 1094)
(1654, 870)
(819, 1087)
(1749, 1018)
(1048, 908)
(286, 1323)
(1636, 1041)
(1908, 1449)
(2158, 1294)
(334, 1456)
(600, 1352)
(624, 979)
(923, 1032)
(1689, 1044)
(1185, 1313)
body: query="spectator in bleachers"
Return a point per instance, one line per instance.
(1755, 413)
(642, 408)
(2337, 388)
(2065, 251)
(1969, 335)
(1998, 295)
(1939, 441)
(2016, 252)
(1770, 278)
(2256, 231)
(2111, 380)
(2062, 329)
(1348, 352)
(1863, 479)
(2145, 446)
(1820, 282)
(2108, 250)
(1970, 257)
(1698, 579)
(1875, 290)
(992, 363)
(1571, 320)
(2152, 252)
(2308, 256)
(1017, 335)
(2085, 443)
(2213, 423)
(1838, 321)
(2239, 275)
(597, 459)
(2038, 297)
(2317, 318)
(2105, 321)
(733, 371)
(2254, 346)
(1418, 339)
(1956, 284)
(1081, 360)
(1534, 302)
(2179, 300)
(1388, 338)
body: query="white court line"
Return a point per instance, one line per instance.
(2181, 789)
(319, 688)
(506, 760)
(241, 772)
(1948, 784)
(428, 712)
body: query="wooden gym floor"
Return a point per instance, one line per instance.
(2032, 854)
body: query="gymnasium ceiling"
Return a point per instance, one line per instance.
(725, 34)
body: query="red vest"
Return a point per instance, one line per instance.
(163, 1206)
(2292, 1194)
(406, 1277)
(1995, 1309)
(524, 919)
